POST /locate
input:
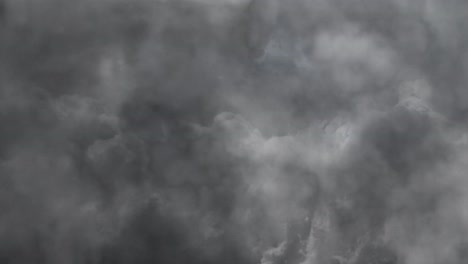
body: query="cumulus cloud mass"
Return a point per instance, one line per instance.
(233, 131)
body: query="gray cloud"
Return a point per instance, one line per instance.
(264, 131)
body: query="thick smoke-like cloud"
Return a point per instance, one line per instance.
(229, 131)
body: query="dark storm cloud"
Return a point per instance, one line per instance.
(202, 131)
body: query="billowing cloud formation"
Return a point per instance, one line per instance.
(236, 131)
